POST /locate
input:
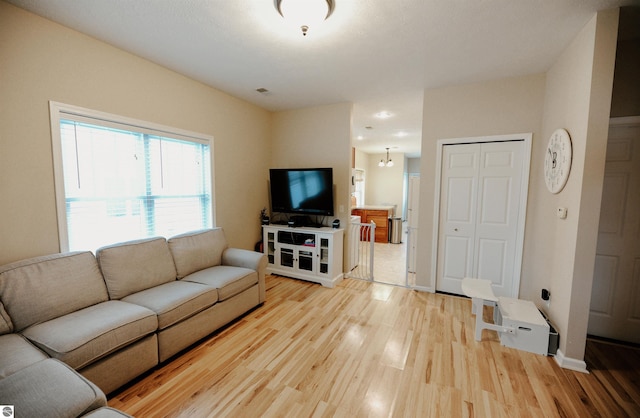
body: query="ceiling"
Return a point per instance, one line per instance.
(378, 54)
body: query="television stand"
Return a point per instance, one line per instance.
(313, 254)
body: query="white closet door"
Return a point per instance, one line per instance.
(615, 295)
(479, 212)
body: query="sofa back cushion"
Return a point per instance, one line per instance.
(198, 250)
(43, 288)
(133, 266)
(6, 326)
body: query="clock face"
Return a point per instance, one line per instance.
(557, 161)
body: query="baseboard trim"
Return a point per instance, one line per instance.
(570, 363)
(423, 289)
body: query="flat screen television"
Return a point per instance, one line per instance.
(305, 191)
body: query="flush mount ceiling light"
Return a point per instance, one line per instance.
(383, 115)
(388, 163)
(304, 13)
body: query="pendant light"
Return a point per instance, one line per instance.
(387, 163)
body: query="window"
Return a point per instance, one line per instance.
(119, 179)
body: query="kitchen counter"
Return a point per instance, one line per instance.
(376, 207)
(380, 215)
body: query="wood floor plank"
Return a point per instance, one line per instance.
(374, 350)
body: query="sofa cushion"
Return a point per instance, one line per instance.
(84, 336)
(227, 279)
(197, 250)
(16, 354)
(175, 301)
(132, 266)
(6, 326)
(50, 388)
(43, 288)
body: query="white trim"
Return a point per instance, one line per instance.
(424, 289)
(522, 215)
(136, 124)
(570, 363)
(57, 109)
(58, 176)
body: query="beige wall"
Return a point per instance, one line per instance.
(578, 98)
(507, 106)
(413, 165)
(385, 184)
(42, 61)
(316, 137)
(362, 160)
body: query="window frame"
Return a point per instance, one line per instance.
(59, 111)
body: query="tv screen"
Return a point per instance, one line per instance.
(302, 190)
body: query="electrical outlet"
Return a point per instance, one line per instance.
(545, 295)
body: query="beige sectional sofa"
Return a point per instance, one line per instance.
(117, 314)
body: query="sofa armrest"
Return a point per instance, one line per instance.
(248, 259)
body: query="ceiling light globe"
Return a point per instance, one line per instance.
(304, 13)
(381, 163)
(390, 163)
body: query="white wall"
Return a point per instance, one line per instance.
(41, 61)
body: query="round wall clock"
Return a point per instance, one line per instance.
(557, 161)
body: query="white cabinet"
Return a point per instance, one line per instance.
(313, 254)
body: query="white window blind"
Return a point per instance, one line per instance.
(123, 182)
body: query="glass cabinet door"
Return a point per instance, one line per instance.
(271, 247)
(286, 257)
(305, 260)
(324, 255)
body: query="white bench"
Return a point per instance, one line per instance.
(518, 322)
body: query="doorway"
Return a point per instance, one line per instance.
(615, 297)
(395, 260)
(480, 211)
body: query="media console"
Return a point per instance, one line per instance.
(313, 254)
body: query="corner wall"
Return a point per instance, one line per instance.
(558, 254)
(317, 137)
(578, 99)
(42, 61)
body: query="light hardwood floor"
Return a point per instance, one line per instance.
(366, 349)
